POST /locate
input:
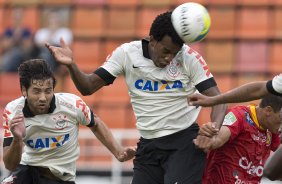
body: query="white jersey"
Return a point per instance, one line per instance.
(159, 95)
(275, 85)
(51, 139)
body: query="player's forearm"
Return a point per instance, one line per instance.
(218, 111)
(104, 135)
(221, 138)
(12, 154)
(217, 114)
(244, 93)
(217, 142)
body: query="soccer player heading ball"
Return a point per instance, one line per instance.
(160, 72)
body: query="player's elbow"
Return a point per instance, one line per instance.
(10, 167)
(10, 164)
(85, 92)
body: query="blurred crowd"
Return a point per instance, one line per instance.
(19, 42)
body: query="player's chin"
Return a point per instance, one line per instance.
(42, 110)
(162, 65)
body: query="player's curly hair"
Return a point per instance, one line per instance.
(35, 69)
(273, 101)
(162, 26)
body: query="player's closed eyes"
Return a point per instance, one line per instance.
(47, 91)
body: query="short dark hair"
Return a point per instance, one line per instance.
(35, 69)
(273, 101)
(162, 26)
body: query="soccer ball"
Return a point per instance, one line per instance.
(191, 22)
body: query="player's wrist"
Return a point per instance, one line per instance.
(215, 100)
(70, 64)
(17, 139)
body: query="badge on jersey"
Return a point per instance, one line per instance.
(229, 119)
(173, 69)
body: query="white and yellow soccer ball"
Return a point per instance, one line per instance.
(191, 21)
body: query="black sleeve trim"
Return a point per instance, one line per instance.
(206, 84)
(270, 88)
(105, 75)
(7, 141)
(92, 122)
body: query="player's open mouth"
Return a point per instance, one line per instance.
(42, 105)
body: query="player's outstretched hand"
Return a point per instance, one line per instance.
(198, 99)
(62, 54)
(127, 154)
(17, 126)
(208, 129)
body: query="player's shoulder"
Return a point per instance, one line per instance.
(14, 104)
(68, 97)
(187, 50)
(131, 46)
(14, 107)
(239, 110)
(71, 103)
(188, 54)
(235, 114)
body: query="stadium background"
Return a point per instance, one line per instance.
(243, 45)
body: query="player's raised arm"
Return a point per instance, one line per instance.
(85, 83)
(244, 93)
(198, 99)
(62, 54)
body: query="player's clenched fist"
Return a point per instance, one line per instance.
(208, 129)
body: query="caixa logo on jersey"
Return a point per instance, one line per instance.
(48, 142)
(148, 85)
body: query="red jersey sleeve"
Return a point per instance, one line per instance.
(234, 121)
(7, 132)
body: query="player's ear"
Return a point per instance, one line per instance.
(23, 90)
(152, 42)
(269, 110)
(151, 38)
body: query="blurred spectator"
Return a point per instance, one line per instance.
(52, 33)
(17, 43)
